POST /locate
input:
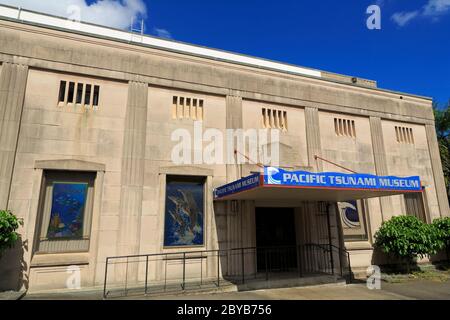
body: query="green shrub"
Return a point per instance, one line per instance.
(9, 223)
(442, 226)
(407, 238)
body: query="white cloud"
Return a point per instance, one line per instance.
(433, 9)
(402, 18)
(112, 13)
(163, 33)
(436, 7)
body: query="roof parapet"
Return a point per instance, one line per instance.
(349, 79)
(28, 16)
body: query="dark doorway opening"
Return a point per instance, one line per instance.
(276, 239)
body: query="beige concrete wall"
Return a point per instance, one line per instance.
(293, 149)
(13, 80)
(158, 164)
(358, 153)
(53, 133)
(410, 160)
(353, 153)
(50, 132)
(401, 160)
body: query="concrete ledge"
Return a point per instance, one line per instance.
(55, 260)
(358, 245)
(69, 164)
(186, 170)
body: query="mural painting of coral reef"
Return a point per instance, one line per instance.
(67, 213)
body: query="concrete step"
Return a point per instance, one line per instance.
(191, 288)
(173, 289)
(291, 282)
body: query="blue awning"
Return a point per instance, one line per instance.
(280, 184)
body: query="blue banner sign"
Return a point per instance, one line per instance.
(244, 184)
(279, 177)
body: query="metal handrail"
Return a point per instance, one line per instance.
(310, 258)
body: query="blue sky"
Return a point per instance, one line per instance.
(411, 52)
(328, 35)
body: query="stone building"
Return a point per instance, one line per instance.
(87, 116)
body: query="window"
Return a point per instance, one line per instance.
(87, 95)
(353, 219)
(414, 205)
(65, 212)
(184, 211)
(78, 93)
(71, 92)
(404, 135)
(96, 96)
(274, 119)
(345, 127)
(62, 91)
(187, 108)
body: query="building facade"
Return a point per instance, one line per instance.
(86, 123)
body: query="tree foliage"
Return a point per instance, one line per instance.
(442, 226)
(407, 237)
(9, 223)
(442, 118)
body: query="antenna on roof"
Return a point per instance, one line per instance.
(141, 27)
(134, 31)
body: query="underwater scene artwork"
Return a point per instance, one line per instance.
(66, 217)
(184, 214)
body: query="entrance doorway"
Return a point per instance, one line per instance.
(276, 239)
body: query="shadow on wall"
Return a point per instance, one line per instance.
(392, 264)
(13, 268)
(442, 256)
